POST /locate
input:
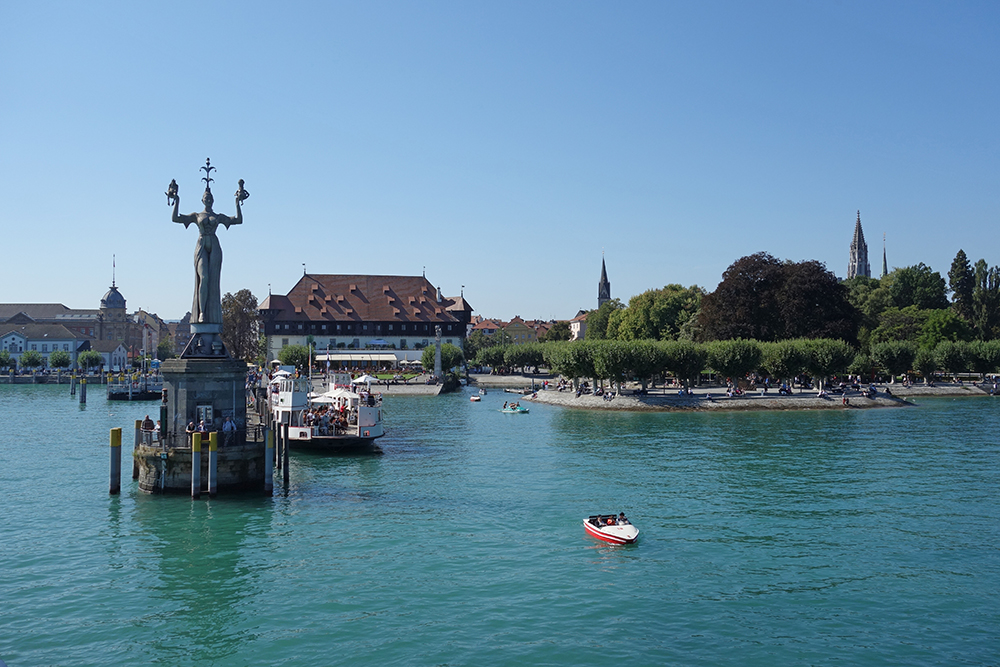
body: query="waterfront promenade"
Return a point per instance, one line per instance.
(715, 399)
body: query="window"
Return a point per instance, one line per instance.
(284, 342)
(45, 347)
(323, 327)
(338, 327)
(403, 327)
(365, 327)
(34, 347)
(66, 347)
(390, 327)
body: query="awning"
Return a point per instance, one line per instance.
(357, 356)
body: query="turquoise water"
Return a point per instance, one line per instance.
(859, 537)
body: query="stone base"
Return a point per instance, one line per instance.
(240, 468)
(202, 388)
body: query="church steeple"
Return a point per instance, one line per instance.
(603, 287)
(858, 263)
(885, 266)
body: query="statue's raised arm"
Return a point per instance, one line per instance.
(241, 196)
(174, 198)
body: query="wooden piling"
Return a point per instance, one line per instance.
(284, 454)
(135, 450)
(115, 486)
(269, 462)
(196, 465)
(83, 391)
(213, 463)
(72, 384)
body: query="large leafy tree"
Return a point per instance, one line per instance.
(89, 359)
(239, 324)
(984, 356)
(765, 299)
(597, 320)
(6, 361)
(926, 362)
(165, 349)
(297, 355)
(783, 359)
(825, 357)
(523, 356)
(558, 331)
(961, 279)
(899, 324)
(918, 286)
(896, 356)
(814, 304)
(60, 359)
(451, 356)
(31, 359)
(734, 358)
(952, 356)
(986, 301)
(745, 304)
(684, 359)
(657, 314)
(943, 325)
(492, 356)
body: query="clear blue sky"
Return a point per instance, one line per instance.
(502, 145)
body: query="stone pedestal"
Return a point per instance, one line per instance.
(206, 389)
(210, 390)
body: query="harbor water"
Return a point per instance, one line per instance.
(862, 537)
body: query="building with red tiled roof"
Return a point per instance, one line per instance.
(578, 326)
(357, 311)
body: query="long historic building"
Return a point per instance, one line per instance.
(358, 312)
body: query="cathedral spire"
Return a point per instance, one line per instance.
(858, 263)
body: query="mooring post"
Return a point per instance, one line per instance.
(277, 447)
(83, 391)
(72, 384)
(213, 463)
(284, 454)
(135, 450)
(116, 461)
(269, 462)
(196, 465)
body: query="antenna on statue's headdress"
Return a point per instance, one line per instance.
(208, 169)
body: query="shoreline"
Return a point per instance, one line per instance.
(715, 399)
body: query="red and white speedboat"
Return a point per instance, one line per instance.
(614, 532)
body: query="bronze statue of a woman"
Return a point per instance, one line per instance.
(207, 305)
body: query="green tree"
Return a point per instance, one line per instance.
(165, 349)
(558, 331)
(986, 301)
(239, 324)
(734, 358)
(685, 359)
(89, 359)
(784, 359)
(646, 359)
(611, 360)
(918, 286)
(926, 363)
(942, 325)
(861, 365)
(6, 361)
(597, 320)
(451, 356)
(899, 324)
(814, 304)
(295, 355)
(492, 356)
(984, 356)
(896, 356)
(59, 359)
(657, 314)
(961, 280)
(826, 357)
(31, 360)
(572, 359)
(523, 356)
(952, 356)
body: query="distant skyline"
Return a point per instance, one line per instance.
(501, 146)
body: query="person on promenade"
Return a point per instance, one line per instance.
(147, 424)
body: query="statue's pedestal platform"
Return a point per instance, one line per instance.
(209, 391)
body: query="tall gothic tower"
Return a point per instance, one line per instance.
(858, 264)
(885, 265)
(603, 287)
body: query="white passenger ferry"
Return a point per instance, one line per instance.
(343, 419)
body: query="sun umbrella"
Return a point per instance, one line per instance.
(366, 379)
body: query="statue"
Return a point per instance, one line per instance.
(207, 305)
